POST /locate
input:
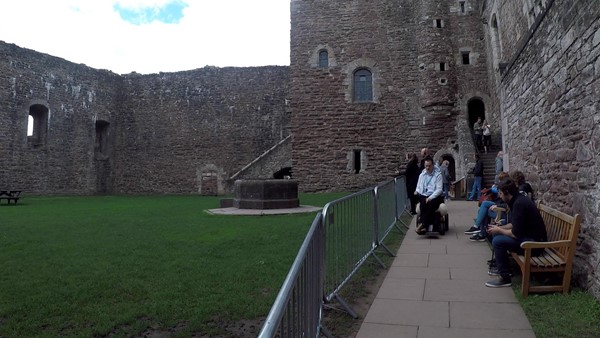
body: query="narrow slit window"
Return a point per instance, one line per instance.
(438, 23)
(442, 66)
(357, 160)
(466, 58)
(462, 6)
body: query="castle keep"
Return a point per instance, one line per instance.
(368, 81)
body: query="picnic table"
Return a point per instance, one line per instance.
(10, 195)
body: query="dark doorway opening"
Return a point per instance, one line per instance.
(476, 109)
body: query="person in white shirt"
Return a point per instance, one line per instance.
(429, 192)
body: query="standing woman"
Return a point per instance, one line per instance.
(445, 178)
(412, 177)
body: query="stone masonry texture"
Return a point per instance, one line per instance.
(167, 132)
(550, 103)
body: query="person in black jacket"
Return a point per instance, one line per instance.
(478, 173)
(525, 224)
(412, 177)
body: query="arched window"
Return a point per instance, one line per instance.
(363, 86)
(323, 59)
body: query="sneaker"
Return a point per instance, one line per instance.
(493, 271)
(472, 230)
(477, 238)
(499, 283)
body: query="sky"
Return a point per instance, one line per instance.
(151, 36)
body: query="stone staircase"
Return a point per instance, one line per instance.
(489, 167)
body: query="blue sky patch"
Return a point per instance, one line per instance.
(169, 13)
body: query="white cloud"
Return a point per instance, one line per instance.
(218, 33)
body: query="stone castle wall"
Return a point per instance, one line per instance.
(551, 113)
(75, 95)
(166, 133)
(177, 130)
(417, 102)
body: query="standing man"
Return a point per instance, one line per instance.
(478, 130)
(499, 165)
(429, 191)
(525, 224)
(424, 154)
(478, 173)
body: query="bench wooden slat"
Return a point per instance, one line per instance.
(562, 230)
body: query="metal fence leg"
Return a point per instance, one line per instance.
(378, 259)
(346, 306)
(324, 331)
(386, 249)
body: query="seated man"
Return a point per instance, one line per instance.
(429, 192)
(487, 210)
(526, 224)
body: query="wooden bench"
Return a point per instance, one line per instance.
(10, 195)
(558, 252)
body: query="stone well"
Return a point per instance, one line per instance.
(266, 194)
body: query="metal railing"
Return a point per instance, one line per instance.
(340, 240)
(350, 232)
(297, 308)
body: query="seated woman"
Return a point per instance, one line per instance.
(429, 192)
(524, 187)
(486, 209)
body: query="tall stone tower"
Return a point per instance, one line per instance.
(373, 80)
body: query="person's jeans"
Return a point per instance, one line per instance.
(476, 188)
(483, 212)
(446, 187)
(502, 245)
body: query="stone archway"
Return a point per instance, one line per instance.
(209, 180)
(475, 110)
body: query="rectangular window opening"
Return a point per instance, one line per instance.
(466, 58)
(462, 6)
(438, 23)
(442, 66)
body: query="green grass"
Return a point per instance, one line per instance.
(116, 265)
(576, 314)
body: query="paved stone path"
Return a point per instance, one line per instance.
(435, 288)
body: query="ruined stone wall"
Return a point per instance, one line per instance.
(165, 133)
(415, 100)
(552, 116)
(75, 96)
(178, 129)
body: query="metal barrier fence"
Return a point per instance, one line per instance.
(402, 198)
(385, 217)
(297, 310)
(339, 241)
(350, 237)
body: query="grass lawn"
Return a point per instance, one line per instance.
(120, 265)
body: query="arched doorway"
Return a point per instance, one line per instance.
(476, 109)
